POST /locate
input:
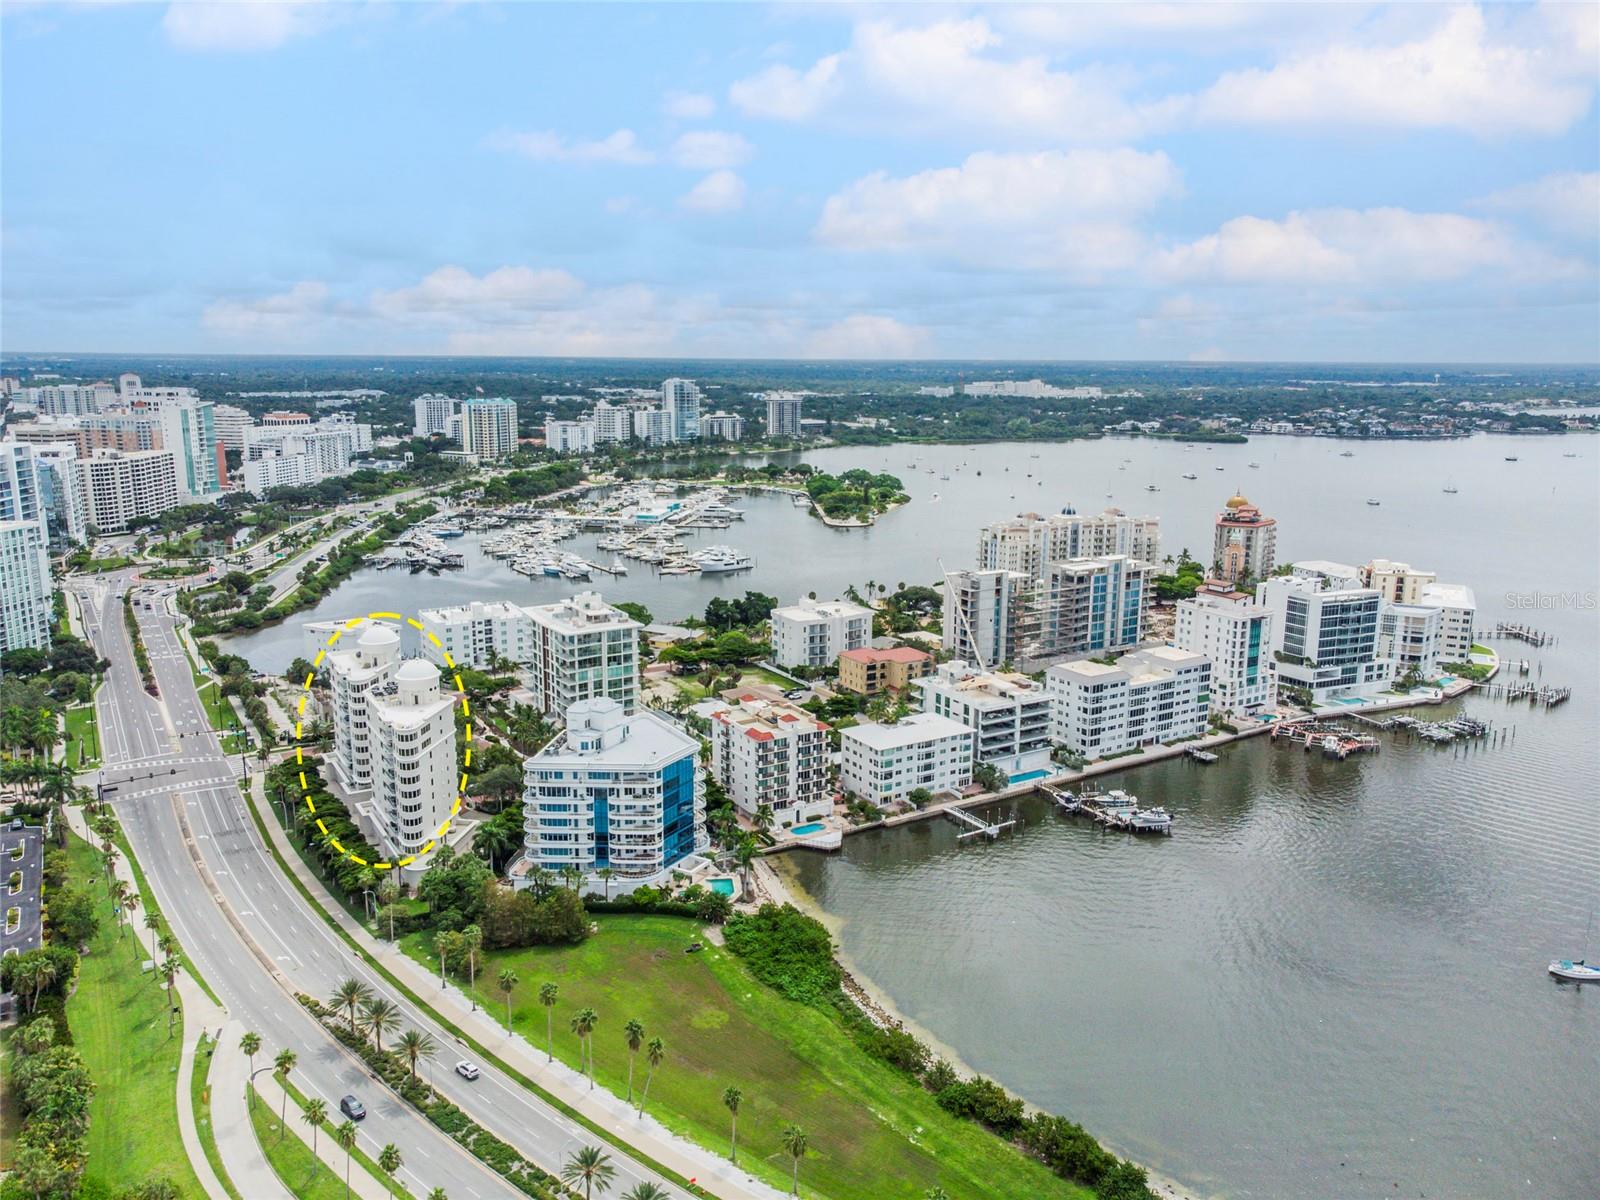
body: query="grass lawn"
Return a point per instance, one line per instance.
(304, 1175)
(359, 1157)
(119, 1023)
(200, 1101)
(83, 738)
(875, 1134)
(147, 904)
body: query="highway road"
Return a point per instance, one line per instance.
(254, 939)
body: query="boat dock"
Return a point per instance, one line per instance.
(1333, 739)
(1112, 810)
(1522, 633)
(1200, 756)
(1538, 695)
(976, 825)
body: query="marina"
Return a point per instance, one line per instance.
(1115, 809)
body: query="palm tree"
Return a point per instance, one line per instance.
(119, 900)
(583, 1024)
(315, 1115)
(351, 995)
(590, 1167)
(345, 1135)
(250, 1043)
(606, 875)
(654, 1052)
(378, 1017)
(389, 1162)
(130, 905)
(414, 1045)
(169, 973)
(730, 1099)
(438, 1194)
(744, 853)
(547, 997)
(647, 1191)
(571, 876)
(152, 922)
(634, 1032)
(281, 1066)
(794, 1143)
(472, 942)
(507, 983)
(764, 817)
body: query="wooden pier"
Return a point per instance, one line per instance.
(1523, 633)
(1200, 756)
(1334, 740)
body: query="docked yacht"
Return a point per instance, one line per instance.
(718, 560)
(719, 510)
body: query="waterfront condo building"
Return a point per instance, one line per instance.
(783, 414)
(488, 428)
(1409, 637)
(1458, 610)
(1009, 713)
(1325, 640)
(1245, 543)
(394, 748)
(1327, 575)
(776, 754)
(886, 763)
(722, 427)
(118, 488)
(989, 616)
(576, 649)
(1090, 606)
(569, 437)
(868, 671)
(432, 414)
(813, 633)
(652, 426)
(1029, 543)
(615, 790)
(612, 423)
(1235, 633)
(25, 586)
(680, 400)
(1396, 582)
(1149, 697)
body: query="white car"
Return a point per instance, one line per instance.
(467, 1070)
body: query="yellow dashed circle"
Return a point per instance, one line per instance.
(299, 748)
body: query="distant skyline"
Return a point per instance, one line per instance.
(1343, 183)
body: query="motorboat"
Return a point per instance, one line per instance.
(1219, 468)
(1347, 454)
(1374, 503)
(716, 509)
(1150, 820)
(1150, 487)
(1450, 489)
(717, 560)
(1511, 458)
(1575, 970)
(1255, 466)
(1190, 475)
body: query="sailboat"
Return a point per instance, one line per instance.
(1450, 489)
(1577, 970)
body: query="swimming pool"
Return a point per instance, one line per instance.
(1027, 775)
(722, 887)
(803, 830)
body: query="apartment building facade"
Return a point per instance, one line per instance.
(1149, 697)
(813, 633)
(775, 754)
(886, 763)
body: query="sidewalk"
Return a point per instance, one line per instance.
(329, 1151)
(606, 1110)
(198, 1013)
(247, 1166)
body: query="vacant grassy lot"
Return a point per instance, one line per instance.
(119, 1022)
(875, 1134)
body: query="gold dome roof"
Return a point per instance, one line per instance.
(1238, 501)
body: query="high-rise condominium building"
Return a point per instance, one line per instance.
(1090, 606)
(812, 633)
(1148, 697)
(989, 616)
(188, 429)
(574, 650)
(1030, 543)
(722, 427)
(680, 400)
(233, 426)
(1325, 641)
(653, 426)
(1235, 633)
(569, 437)
(25, 605)
(773, 754)
(1458, 610)
(783, 414)
(61, 496)
(489, 428)
(1245, 544)
(613, 790)
(394, 749)
(431, 414)
(1009, 713)
(885, 763)
(119, 488)
(71, 399)
(612, 423)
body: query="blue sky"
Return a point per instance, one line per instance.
(1171, 181)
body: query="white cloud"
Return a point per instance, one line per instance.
(867, 335)
(243, 27)
(1458, 75)
(621, 147)
(270, 318)
(1054, 210)
(503, 294)
(718, 192)
(1354, 247)
(1567, 202)
(782, 93)
(710, 150)
(688, 106)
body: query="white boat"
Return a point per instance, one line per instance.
(801, 501)
(1374, 503)
(1190, 475)
(1254, 466)
(717, 560)
(1450, 489)
(1150, 820)
(1150, 487)
(1575, 970)
(618, 567)
(722, 510)
(1347, 454)
(1219, 468)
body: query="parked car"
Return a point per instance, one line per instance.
(353, 1108)
(467, 1070)
(796, 693)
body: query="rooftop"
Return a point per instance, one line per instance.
(897, 654)
(909, 731)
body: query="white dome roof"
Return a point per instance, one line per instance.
(415, 670)
(378, 635)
